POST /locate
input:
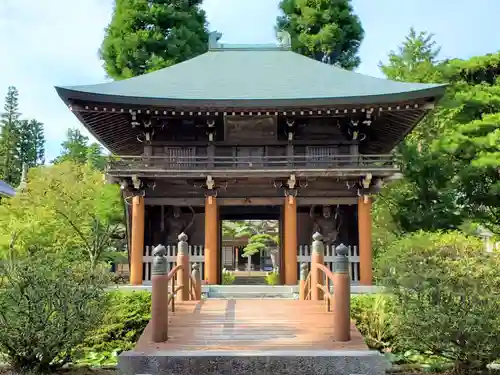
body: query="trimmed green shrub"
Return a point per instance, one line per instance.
(228, 277)
(446, 296)
(273, 278)
(374, 317)
(47, 306)
(125, 320)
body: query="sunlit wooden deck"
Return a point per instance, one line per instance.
(247, 325)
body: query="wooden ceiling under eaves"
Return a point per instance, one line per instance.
(114, 130)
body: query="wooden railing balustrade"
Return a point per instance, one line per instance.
(183, 285)
(315, 285)
(201, 163)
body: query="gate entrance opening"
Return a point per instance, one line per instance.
(250, 241)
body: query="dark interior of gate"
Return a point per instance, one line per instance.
(338, 223)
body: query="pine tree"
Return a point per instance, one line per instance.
(31, 143)
(74, 148)
(10, 165)
(77, 150)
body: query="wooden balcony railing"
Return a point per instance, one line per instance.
(166, 164)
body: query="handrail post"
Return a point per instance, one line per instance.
(341, 295)
(196, 277)
(183, 273)
(159, 292)
(317, 257)
(303, 278)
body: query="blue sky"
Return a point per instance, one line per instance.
(55, 42)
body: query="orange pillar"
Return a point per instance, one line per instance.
(137, 246)
(290, 239)
(365, 240)
(342, 296)
(211, 240)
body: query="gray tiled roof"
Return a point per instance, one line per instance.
(6, 189)
(252, 74)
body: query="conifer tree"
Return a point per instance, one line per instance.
(31, 144)
(10, 164)
(325, 30)
(147, 35)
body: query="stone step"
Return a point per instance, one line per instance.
(280, 362)
(250, 280)
(251, 291)
(251, 296)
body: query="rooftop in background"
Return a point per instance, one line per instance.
(6, 189)
(246, 75)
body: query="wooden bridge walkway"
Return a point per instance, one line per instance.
(250, 325)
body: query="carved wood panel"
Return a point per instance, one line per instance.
(320, 155)
(180, 157)
(241, 129)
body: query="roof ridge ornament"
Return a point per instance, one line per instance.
(213, 39)
(284, 39)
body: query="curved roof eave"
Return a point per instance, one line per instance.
(70, 94)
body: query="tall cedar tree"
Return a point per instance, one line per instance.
(10, 166)
(76, 149)
(147, 35)
(325, 30)
(31, 143)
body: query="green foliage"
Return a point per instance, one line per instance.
(259, 242)
(76, 149)
(415, 60)
(446, 300)
(228, 277)
(21, 141)
(125, 320)
(325, 30)
(384, 228)
(374, 317)
(450, 162)
(147, 35)
(47, 306)
(10, 168)
(65, 206)
(31, 143)
(273, 278)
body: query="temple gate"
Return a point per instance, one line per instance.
(243, 127)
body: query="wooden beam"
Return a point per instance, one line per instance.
(306, 201)
(252, 173)
(174, 201)
(249, 201)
